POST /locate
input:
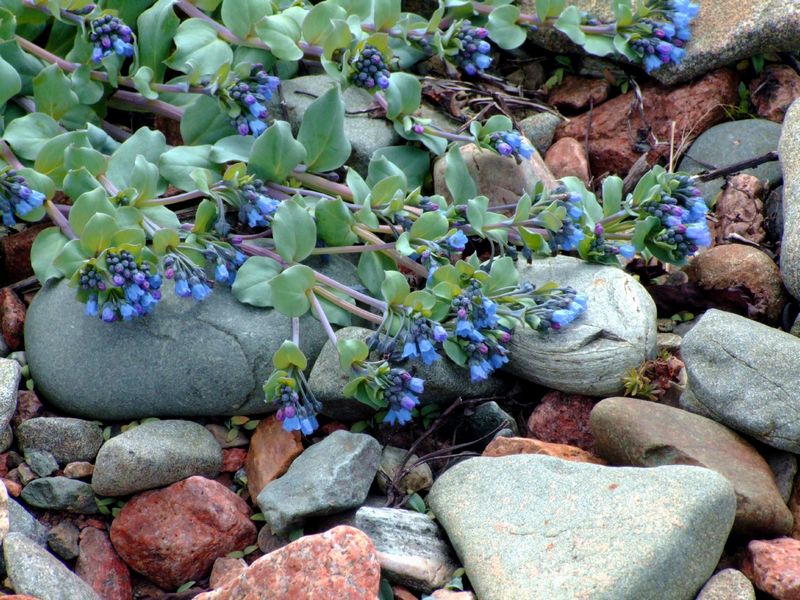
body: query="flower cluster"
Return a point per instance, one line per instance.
(248, 98)
(663, 38)
(297, 407)
(190, 279)
(571, 232)
(110, 35)
(16, 197)
(371, 70)
(434, 254)
(132, 291)
(256, 207)
(473, 55)
(477, 332)
(683, 218)
(400, 393)
(559, 308)
(601, 248)
(421, 338)
(224, 261)
(510, 143)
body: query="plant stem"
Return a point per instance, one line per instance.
(184, 197)
(353, 249)
(320, 183)
(285, 189)
(323, 319)
(133, 101)
(363, 298)
(9, 155)
(409, 264)
(617, 215)
(59, 219)
(340, 302)
(296, 331)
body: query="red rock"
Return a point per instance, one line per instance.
(774, 90)
(12, 318)
(100, 567)
(173, 535)
(16, 250)
(401, 593)
(740, 210)
(272, 450)
(506, 446)
(19, 597)
(78, 470)
(28, 407)
(233, 459)
(618, 136)
(567, 158)
(578, 93)
(563, 419)
(3, 464)
(341, 563)
(774, 567)
(224, 570)
(14, 488)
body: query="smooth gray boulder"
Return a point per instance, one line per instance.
(10, 374)
(723, 33)
(532, 526)
(444, 381)
(35, 572)
(60, 493)
(68, 440)
(789, 149)
(21, 521)
(411, 548)
(615, 334)
(729, 143)
(155, 454)
(329, 477)
(746, 376)
(728, 584)
(185, 359)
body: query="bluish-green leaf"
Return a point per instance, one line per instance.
(322, 133)
(294, 231)
(415, 163)
(156, 29)
(176, 165)
(198, 50)
(10, 82)
(96, 235)
(569, 23)
(430, 226)
(403, 95)
(204, 122)
(47, 245)
(334, 223)
(457, 177)
(53, 93)
(276, 153)
(88, 205)
(28, 134)
(503, 28)
(240, 15)
(252, 284)
(290, 290)
(395, 288)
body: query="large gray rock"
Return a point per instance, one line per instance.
(21, 521)
(10, 374)
(638, 433)
(185, 359)
(615, 334)
(60, 493)
(35, 572)
(744, 375)
(531, 526)
(155, 454)
(789, 149)
(444, 381)
(729, 143)
(540, 129)
(68, 440)
(724, 32)
(728, 584)
(411, 548)
(366, 134)
(331, 476)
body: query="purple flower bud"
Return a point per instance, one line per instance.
(504, 149)
(418, 129)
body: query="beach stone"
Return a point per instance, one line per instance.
(739, 210)
(508, 446)
(411, 548)
(220, 434)
(60, 493)
(773, 214)
(225, 569)
(155, 454)
(420, 478)
(579, 93)
(444, 382)
(67, 439)
(41, 461)
(729, 143)
(21, 521)
(540, 128)
(63, 540)
(567, 158)
(192, 522)
(78, 470)
(774, 567)
(35, 572)
(774, 90)
(744, 375)
(728, 584)
(789, 149)
(272, 450)
(331, 476)
(366, 134)
(563, 419)
(639, 433)
(784, 469)
(723, 33)
(28, 407)
(486, 418)
(615, 334)
(100, 566)
(530, 526)
(10, 374)
(340, 563)
(210, 358)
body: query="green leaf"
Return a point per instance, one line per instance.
(599, 45)
(642, 230)
(372, 267)
(381, 168)
(415, 502)
(70, 259)
(612, 195)
(97, 233)
(88, 205)
(476, 213)
(294, 231)
(503, 28)
(395, 288)
(385, 591)
(403, 95)
(569, 23)
(164, 240)
(386, 189)
(133, 236)
(156, 29)
(281, 33)
(429, 226)
(205, 216)
(177, 165)
(318, 22)
(10, 82)
(240, 15)
(351, 351)
(290, 290)
(79, 181)
(88, 158)
(252, 284)
(186, 586)
(276, 153)
(334, 223)
(88, 90)
(386, 14)
(198, 50)
(232, 148)
(288, 355)
(415, 163)
(47, 245)
(204, 122)
(322, 133)
(145, 142)
(457, 177)
(53, 93)
(27, 135)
